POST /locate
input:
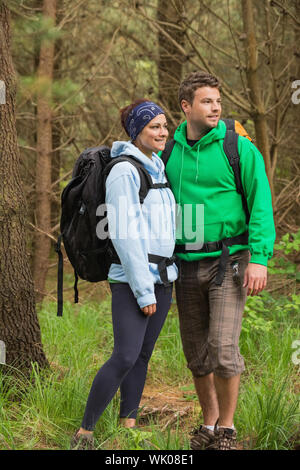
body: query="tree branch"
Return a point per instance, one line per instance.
(97, 67)
(285, 10)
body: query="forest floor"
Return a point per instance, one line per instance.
(172, 405)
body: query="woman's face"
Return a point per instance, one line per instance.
(154, 136)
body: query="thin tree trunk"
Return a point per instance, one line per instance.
(44, 159)
(296, 67)
(55, 172)
(170, 59)
(19, 327)
(56, 156)
(258, 109)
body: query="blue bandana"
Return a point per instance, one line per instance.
(140, 116)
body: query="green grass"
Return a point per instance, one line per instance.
(268, 411)
(43, 413)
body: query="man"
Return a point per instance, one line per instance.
(215, 280)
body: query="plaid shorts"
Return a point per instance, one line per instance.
(211, 316)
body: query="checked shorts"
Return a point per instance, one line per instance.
(211, 316)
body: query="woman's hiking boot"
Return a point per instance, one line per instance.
(83, 442)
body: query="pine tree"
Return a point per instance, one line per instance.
(19, 326)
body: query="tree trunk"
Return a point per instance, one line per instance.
(19, 327)
(297, 40)
(44, 159)
(55, 173)
(258, 109)
(56, 156)
(170, 59)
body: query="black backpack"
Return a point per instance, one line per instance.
(230, 147)
(89, 255)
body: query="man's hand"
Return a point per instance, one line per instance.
(149, 309)
(255, 278)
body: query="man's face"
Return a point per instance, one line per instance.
(205, 111)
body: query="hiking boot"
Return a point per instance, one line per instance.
(82, 442)
(203, 438)
(225, 439)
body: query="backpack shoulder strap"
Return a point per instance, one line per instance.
(230, 147)
(145, 178)
(230, 124)
(236, 126)
(167, 151)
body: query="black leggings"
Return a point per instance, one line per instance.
(135, 335)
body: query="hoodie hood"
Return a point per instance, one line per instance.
(217, 133)
(180, 136)
(154, 166)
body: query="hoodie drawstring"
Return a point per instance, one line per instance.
(197, 166)
(180, 178)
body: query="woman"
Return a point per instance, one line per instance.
(140, 300)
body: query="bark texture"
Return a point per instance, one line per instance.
(44, 158)
(169, 16)
(19, 327)
(258, 111)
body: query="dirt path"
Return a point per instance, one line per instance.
(167, 405)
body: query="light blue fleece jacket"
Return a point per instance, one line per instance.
(137, 230)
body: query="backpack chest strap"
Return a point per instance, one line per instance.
(162, 263)
(160, 185)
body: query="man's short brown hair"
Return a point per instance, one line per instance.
(193, 81)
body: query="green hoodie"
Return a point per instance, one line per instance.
(201, 175)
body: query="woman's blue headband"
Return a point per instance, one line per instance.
(140, 116)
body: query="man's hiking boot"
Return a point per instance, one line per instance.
(82, 442)
(225, 439)
(203, 438)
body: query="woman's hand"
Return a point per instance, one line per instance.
(149, 309)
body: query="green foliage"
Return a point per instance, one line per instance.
(253, 321)
(289, 242)
(168, 353)
(43, 412)
(58, 91)
(136, 438)
(288, 245)
(261, 312)
(254, 310)
(268, 404)
(270, 412)
(189, 393)
(39, 29)
(65, 89)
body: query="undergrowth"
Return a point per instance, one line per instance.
(44, 412)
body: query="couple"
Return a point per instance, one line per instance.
(210, 313)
